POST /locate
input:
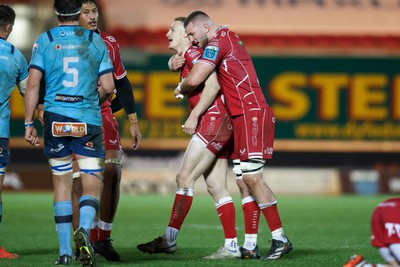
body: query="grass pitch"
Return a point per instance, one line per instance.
(325, 231)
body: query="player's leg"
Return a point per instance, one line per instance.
(108, 205)
(111, 190)
(75, 196)
(4, 159)
(2, 175)
(252, 167)
(62, 205)
(195, 162)
(216, 180)
(91, 176)
(91, 165)
(57, 150)
(251, 216)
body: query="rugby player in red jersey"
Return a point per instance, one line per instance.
(385, 235)
(205, 155)
(252, 118)
(101, 230)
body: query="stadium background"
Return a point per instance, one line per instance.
(329, 69)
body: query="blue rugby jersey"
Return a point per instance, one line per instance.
(72, 59)
(13, 69)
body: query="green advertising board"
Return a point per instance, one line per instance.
(313, 97)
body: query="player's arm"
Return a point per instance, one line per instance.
(40, 106)
(208, 96)
(116, 104)
(31, 101)
(107, 87)
(197, 75)
(127, 99)
(22, 86)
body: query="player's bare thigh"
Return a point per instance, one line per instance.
(196, 161)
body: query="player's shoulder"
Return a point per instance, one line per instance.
(193, 52)
(18, 54)
(108, 37)
(6, 46)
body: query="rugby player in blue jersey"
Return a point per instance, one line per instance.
(72, 59)
(13, 71)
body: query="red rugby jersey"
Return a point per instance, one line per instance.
(218, 106)
(119, 68)
(236, 73)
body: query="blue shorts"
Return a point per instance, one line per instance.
(64, 136)
(4, 151)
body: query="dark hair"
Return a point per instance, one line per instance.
(7, 16)
(193, 16)
(67, 10)
(89, 2)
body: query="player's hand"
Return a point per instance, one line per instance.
(136, 136)
(40, 110)
(177, 62)
(191, 124)
(31, 136)
(177, 92)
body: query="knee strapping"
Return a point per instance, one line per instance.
(91, 165)
(115, 161)
(236, 169)
(3, 169)
(252, 166)
(61, 167)
(76, 175)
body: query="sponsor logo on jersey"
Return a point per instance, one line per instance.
(3, 57)
(68, 98)
(69, 33)
(73, 129)
(111, 39)
(89, 146)
(211, 53)
(392, 229)
(113, 142)
(70, 47)
(269, 150)
(217, 146)
(194, 53)
(58, 148)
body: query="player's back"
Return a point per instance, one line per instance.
(13, 68)
(236, 73)
(71, 58)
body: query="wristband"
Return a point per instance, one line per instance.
(28, 124)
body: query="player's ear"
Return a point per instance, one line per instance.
(9, 28)
(206, 28)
